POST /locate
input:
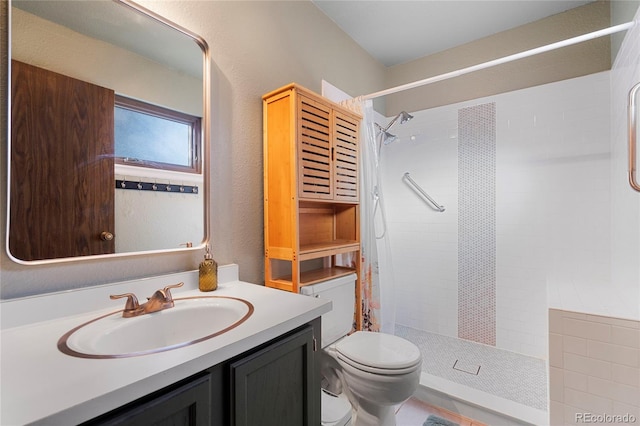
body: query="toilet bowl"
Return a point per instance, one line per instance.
(336, 410)
(378, 371)
(375, 371)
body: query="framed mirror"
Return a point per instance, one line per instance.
(108, 132)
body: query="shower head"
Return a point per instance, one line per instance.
(386, 136)
(404, 116)
(389, 137)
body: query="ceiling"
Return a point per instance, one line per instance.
(399, 31)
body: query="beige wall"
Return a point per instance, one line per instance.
(256, 47)
(585, 58)
(594, 368)
(261, 45)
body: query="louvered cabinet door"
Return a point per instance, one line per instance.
(345, 156)
(315, 173)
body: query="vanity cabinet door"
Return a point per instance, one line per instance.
(277, 386)
(186, 404)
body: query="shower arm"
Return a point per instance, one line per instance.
(392, 122)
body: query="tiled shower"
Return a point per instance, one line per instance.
(560, 231)
(526, 181)
(524, 178)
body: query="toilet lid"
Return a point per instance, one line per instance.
(379, 350)
(335, 410)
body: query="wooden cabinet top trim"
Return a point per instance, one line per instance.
(306, 92)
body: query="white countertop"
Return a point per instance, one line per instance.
(41, 385)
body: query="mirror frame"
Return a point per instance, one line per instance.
(206, 148)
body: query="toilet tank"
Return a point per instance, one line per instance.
(341, 291)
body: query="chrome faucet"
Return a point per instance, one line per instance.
(160, 300)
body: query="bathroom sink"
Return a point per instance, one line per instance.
(191, 320)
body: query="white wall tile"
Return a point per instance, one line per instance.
(546, 226)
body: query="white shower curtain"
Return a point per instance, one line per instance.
(375, 262)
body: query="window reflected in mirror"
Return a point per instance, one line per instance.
(152, 136)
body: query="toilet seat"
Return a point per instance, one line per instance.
(378, 353)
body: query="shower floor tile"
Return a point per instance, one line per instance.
(506, 374)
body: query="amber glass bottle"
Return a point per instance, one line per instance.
(208, 272)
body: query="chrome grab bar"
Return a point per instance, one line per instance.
(632, 137)
(421, 192)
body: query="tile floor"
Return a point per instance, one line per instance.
(506, 374)
(415, 412)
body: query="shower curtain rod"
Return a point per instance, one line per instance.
(503, 60)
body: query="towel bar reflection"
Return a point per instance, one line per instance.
(417, 188)
(632, 137)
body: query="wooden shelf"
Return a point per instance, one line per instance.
(315, 276)
(316, 250)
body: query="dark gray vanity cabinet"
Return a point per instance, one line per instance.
(186, 403)
(274, 384)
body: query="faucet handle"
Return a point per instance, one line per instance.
(132, 300)
(167, 290)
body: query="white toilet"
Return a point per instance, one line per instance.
(376, 371)
(336, 410)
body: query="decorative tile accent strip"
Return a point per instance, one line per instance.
(477, 223)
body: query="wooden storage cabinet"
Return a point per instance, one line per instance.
(327, 151)
(311, 197)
